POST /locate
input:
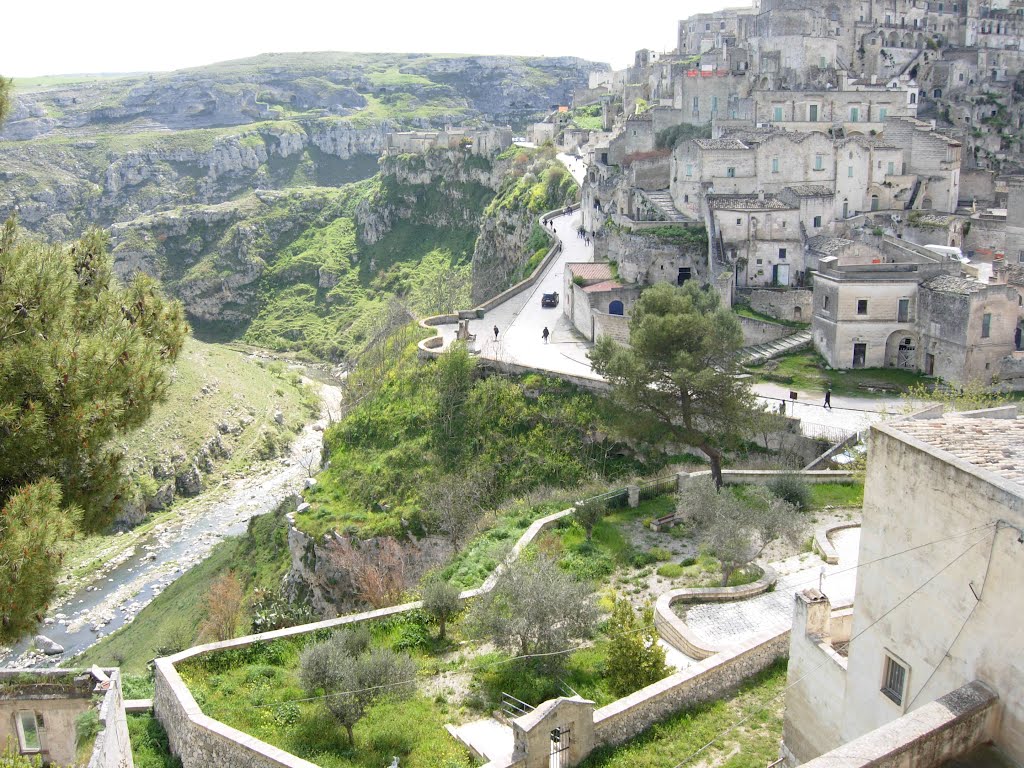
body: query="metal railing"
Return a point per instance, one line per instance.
(513, 707)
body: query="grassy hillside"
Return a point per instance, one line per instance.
(171, 622)
(419, 424)
(214, 385)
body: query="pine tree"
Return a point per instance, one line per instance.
(635, 659)
(82, 360)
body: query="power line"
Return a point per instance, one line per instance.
(818, 666)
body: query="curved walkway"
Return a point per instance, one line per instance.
(720, 624)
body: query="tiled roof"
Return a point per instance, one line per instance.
(604, 285)
(811, 190)
(827, 244)
(720, 144)
(745, 203)
(598, 271)
(951, 284)
(993, 444)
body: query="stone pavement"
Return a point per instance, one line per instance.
(722, 623)
(487, 737)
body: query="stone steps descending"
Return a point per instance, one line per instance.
(662, 200)
(760, 353)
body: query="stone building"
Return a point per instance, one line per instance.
(40, 708)
(480, 141)
(597, 302)
(931, 619)
(898, 305)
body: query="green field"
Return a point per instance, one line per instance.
(743, 730)
(806, 371)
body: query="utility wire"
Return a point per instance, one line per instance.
(818, 666)
(498, 662)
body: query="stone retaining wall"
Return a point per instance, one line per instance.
(929, 736)
(762, 331)
(201, 741)
(707, 680)
(112, 748)
(673, 629)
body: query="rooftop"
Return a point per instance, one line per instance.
(811, 190)
(720, 144)
(746, 203)
(988, 442)
(604, 285)
(591, 271)
(950, 284)
(827, 244)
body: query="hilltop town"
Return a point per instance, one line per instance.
(672, 424)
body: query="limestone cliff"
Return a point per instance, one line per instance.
(511, 242)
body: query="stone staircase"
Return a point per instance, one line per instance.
(662, 200)
(761, 353)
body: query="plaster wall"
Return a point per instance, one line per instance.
(918, 606)
(57, 734)
(817, 678)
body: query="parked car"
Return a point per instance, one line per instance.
(549, 299)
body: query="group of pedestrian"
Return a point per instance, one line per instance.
(545, 334)
(583, 235)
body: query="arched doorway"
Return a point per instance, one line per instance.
(615, 308)
(901, 350)
(874, 202)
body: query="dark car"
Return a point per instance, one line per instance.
(549, 300)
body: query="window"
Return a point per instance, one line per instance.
(689, 169)
(707, 27)
(913, 98)
(1020, 257)
(882, 114)
(686, 198)
(891, 168)
(28, 732)
(812, 113)
(730, 172)
(760, 261)
(849, 171)
(862, 306)
(819, 162)
(894, 682)
(721, 25)
(854, 114)
(696, 103)
(739, 222)
(821, 62)
(777, 114)
(714, 103)
(782, 254)
(903, 311)
(817, 221)
(775, 165)
(986, 325)
(824, 303)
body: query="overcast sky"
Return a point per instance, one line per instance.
(78, 36)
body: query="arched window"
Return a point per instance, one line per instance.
(913, 98)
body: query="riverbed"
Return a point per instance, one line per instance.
(137, 566)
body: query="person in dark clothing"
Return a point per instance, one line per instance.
(495, 333)
(545, 333)
(828, 398)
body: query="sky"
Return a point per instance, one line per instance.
(75, 36)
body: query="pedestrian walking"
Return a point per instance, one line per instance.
(495, 333)
(828, 398)
(545, 333)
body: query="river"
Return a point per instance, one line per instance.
(138, 567)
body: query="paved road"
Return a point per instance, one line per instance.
(521, 320)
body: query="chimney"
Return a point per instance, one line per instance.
(760, 195)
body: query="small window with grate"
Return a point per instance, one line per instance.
(895, 681)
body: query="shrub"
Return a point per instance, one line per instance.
(688, 561)
(671, 570)
(660, 554)
(793, 489)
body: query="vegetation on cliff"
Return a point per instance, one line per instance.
(416, 424)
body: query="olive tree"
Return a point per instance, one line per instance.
(441, 601)
(351, 676)
(534, 608)
(735, 530)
